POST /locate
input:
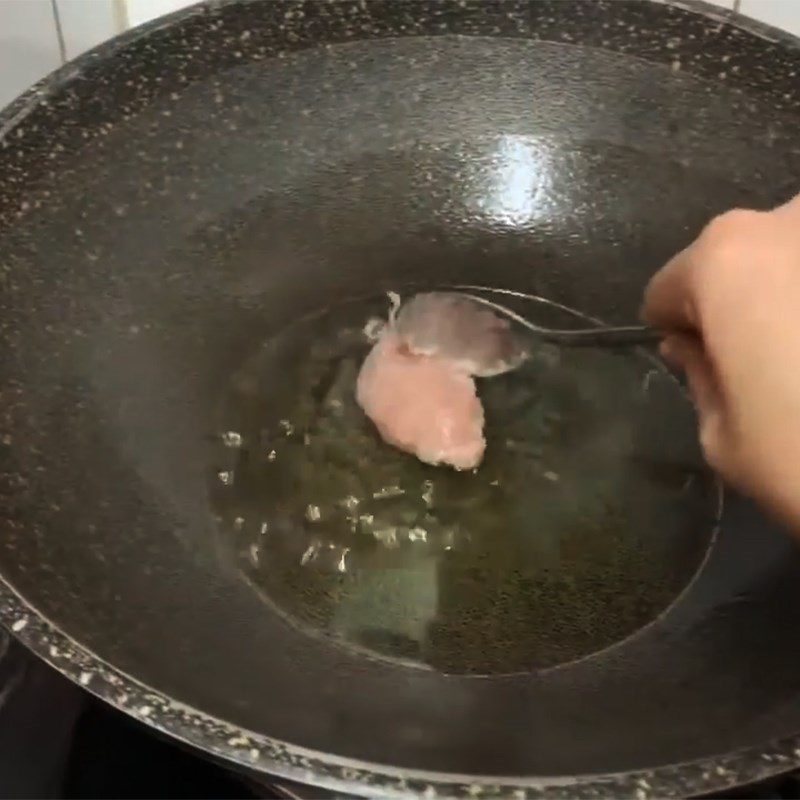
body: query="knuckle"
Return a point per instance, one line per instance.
(727, 240)
(731, 223)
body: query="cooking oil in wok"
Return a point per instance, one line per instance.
(589, 515)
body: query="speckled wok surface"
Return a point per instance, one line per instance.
(354, 144)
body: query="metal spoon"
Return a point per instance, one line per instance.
(599, 336)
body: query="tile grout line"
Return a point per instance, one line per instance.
(121, 20)
(62, 49)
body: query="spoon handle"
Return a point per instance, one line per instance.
(627, 336)
(601, 336)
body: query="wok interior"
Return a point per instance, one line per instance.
(206, 215)
(590, 513)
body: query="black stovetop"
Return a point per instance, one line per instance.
(57, 741)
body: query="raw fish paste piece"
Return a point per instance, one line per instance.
(422, 405)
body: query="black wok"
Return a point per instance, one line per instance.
(180, 196)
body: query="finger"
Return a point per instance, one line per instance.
(686, 353)
(668, 302)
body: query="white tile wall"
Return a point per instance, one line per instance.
(29, 46)
(780, 13)
(140, 11)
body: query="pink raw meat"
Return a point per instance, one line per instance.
(425, 405)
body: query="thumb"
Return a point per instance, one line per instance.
(685, 352)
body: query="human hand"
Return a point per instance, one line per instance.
(729, 305)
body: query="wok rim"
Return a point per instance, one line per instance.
(265, 756)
